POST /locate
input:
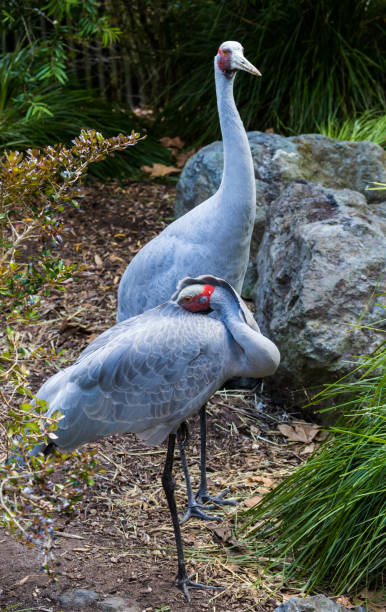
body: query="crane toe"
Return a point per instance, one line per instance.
(203, 497)
(184, 583)
(194, 511)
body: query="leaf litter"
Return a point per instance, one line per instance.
(120, 541)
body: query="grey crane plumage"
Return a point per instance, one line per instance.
(149, 373)
(215, 236)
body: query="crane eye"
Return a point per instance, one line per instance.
(188, 298)
(225, 51)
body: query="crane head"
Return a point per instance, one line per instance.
(195, 298)
(230, 57)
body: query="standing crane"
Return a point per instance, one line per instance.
(212, 238)
(149, 373)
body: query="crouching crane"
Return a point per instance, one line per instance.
(148, 374)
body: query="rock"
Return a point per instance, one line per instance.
(333, 163)
(318, 603)
(78, 599)
(317, 250)
(279, 161)
(118, 604)
(322, 255)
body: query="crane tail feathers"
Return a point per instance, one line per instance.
(155, 435)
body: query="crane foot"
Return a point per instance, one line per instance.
(203, 497)
(185, 583)
(195, 511)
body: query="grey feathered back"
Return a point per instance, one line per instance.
(145, 375)
(149, 373)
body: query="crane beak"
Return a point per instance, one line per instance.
(239, 62)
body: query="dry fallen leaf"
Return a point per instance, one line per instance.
(252, 501)
(321, 435)
(98, 261)
(224, 533)
(300, 432)
(268, 482)
(172, 142)
(23, 580)
(376, 599)
(345, 601)
(115, 258)
(288, 596)
(160, 170)
(182, 158)
(309, 448)
(252, 479)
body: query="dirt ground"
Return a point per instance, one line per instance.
(120, 540)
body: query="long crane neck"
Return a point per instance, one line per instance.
(260, 356)
(238, 176)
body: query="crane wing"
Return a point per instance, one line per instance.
(146, 376)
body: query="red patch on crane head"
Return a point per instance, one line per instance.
(199, 302)
(207, 291)
(224, 59)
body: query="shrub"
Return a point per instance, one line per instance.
(34, 188)
(370, 125)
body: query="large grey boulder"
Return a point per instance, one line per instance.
(321, 257)
(318, 249)
(279, 161)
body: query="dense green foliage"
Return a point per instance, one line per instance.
(42, 101)
(54, 113)
(323, 64)
(49, 32)
(320, 61)
(326, 523)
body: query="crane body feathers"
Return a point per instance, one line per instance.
(148, 374)
(145, 378)
(213, 238)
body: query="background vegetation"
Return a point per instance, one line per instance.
(71, 62)
(77, 66)
(34, 188)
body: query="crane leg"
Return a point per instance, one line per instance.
(183, 581)
(194, 508)
(202, 495)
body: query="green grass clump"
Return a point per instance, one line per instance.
(370, 125)
(326, 523)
